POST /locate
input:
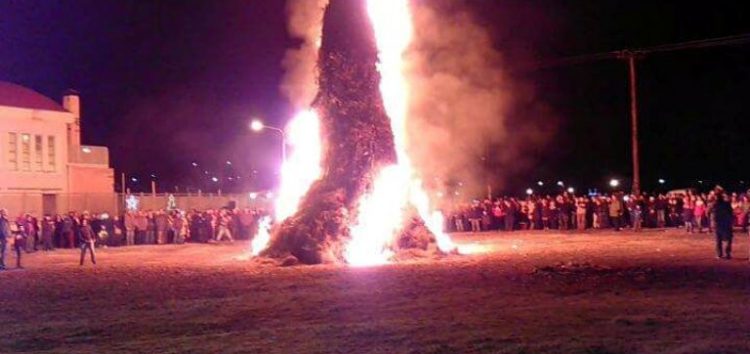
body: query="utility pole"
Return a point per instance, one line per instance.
(631, 56)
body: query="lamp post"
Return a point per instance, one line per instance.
(256, 125)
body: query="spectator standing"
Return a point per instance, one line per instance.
(615, 212)
(87, 241)
(699, 214)
(129, 223)
(48, 231)
(723, 215)
(68, 230)
(5, 233)
(581, 214)
(162, 224)
(19, 242)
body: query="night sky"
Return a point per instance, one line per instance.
(168, 83)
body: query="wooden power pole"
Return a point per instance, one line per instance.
(630, 56)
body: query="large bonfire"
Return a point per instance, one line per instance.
(349, 192)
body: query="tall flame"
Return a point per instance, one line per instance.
(302, 168)
(298, 172)
(380, 212)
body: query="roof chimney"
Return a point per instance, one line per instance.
(72, 103)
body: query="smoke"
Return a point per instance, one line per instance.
(462, 101)
(304, 23)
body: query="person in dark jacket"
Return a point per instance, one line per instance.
(723, 216)
(4, 234)
(19, 245)
(48, 231)
(87, 241)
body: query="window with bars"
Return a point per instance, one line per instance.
(38, 153)
(51, 154)
(13, 151)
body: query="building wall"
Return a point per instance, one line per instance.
(51, 175)
(90, 179)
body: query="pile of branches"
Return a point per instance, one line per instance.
(357, 138)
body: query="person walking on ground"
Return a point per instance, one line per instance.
(87, 241)
(723, 217)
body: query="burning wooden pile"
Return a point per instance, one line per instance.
(358, 147)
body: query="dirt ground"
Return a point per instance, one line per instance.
(535, 292)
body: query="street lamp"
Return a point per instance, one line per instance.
(529, 191)
(256, 125)
(614, 183)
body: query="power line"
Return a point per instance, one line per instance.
(620, 54)
(630, 55)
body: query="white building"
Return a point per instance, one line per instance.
(43, 166)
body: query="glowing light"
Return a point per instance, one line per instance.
(614, 183)
(131, 202)
(662, 181)
(133, 179)
(256, 125)
(229, 163)
(540, 183)
(571, 190)
(253, 195)
(86, 150)
(560, 183)
(215, 179)
(260, 241)
(302, 166)
(529, 191)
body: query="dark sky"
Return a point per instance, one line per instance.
(165, 83)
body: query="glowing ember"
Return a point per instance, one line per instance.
(381, 212)
(260, 241)
(302, 167)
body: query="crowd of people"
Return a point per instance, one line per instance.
(88, 230)
(695, 212)
(565, 211)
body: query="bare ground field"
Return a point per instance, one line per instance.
(525, 292)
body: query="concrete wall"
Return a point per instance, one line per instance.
(90, 179)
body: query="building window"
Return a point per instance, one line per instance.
(51, 154)
(38, 153)
(13, 151)
(25, 152)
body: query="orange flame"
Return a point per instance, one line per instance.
(302, 167)
(260, 241)
(380, 212)
(298, 172)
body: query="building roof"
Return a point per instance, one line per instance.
(18, 96)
